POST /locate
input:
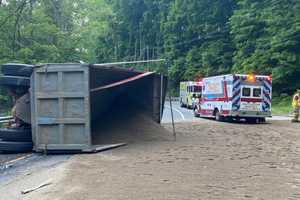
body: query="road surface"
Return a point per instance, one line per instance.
(180, 115)
(209, 160)
(186, 115)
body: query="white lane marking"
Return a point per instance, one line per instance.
(180, 113)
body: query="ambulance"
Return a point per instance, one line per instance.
(190, 92)
(235, 97)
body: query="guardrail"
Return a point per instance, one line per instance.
(5, 119)
(173, 98)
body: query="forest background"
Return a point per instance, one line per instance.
(197, 38)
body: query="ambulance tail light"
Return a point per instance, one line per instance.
(200, 83)
(269, 78)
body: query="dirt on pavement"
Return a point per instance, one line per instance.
(209, 160)
(7, 158)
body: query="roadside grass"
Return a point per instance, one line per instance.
(282, 105)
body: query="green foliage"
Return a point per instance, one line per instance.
(204, 38)
(197, 37)
(50, 31)
(282, 105)
(5, 102)
(266, 35)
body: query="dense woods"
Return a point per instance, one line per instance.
(197, 37)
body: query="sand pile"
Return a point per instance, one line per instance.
(129, 125)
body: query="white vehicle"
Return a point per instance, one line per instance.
(190, 92)
(237, 97)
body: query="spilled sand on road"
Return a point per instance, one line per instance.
(124, 125)
(210, 160)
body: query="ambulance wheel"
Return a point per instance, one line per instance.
(181, 104)
(187, 104)
(228, 119)
(196, 114)
(262, 120)
(219, 117)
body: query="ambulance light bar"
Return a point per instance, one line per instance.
(251, 78)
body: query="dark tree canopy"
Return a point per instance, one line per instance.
(197, 37)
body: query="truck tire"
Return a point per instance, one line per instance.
(187, 104)
(15, 147)
(15, 81)
(14, 69)
(262, 120)
(181, 103)
(228, 119)
(16, 134)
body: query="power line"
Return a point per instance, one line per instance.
(198, 38)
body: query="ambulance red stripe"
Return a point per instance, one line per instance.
(251, 100)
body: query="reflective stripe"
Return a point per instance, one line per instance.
(236, 97)
(267, 89)
(296, 103)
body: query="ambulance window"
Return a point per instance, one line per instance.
(246, 92)
(197, 88)
(257, 92)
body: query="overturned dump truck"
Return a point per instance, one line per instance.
(80, 107)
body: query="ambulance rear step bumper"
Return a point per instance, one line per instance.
(250, 114)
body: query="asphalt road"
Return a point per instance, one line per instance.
(209, 160)
(180, 114)
(184, 114)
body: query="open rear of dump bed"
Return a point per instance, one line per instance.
(74, 106)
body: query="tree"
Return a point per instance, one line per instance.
(197, 37)
(267, 40)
